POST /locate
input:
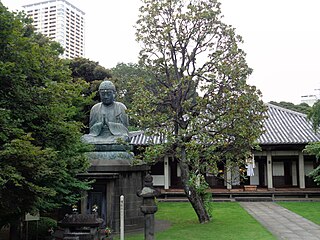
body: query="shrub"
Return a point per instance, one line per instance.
(45, 227)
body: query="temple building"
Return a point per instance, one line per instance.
(281, 162)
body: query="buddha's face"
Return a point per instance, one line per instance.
(107, 96)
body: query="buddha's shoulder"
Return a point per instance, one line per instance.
(97, 105)
(120, 105)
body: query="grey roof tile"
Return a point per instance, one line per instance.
(282, 126)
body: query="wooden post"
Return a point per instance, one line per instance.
(301, 171)
(269, 170)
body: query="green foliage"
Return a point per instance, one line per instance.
(196, 93)
(314, 148)
(125, 77)
(199, 183)
(314, 115)
(315, 174)
(40, 148)
(88, 70)
(42, 229)
(93, 74)
(24, 167)
(302, 107)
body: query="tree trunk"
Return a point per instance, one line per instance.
(194, 197)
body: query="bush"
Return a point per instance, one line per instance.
(45, 225)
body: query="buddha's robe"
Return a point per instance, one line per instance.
(107, 123)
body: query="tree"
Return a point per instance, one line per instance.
(93, 74)
(40, 148)
(126, 76)
(302, 107)
(314, 148)
(197, 98)
(88, 70)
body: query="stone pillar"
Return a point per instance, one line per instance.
(149, 207)
(269, 170)
(166, 172)
(301, 171)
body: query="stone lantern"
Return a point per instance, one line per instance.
(148, 207)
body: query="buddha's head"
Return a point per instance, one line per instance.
(107, 92)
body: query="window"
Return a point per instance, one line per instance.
(278, 169)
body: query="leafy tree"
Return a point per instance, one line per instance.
(88, 70)
(314, 148)
(93, 74)
(40, 147)
(302, 107)
(126, 76)
(197, 96)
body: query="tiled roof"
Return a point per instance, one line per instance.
(139, 138)
(282, 126)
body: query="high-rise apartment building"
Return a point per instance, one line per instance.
(60, 21)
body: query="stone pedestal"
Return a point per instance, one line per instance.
(115, 175)
(80, 226)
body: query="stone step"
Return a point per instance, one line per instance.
(253, 199)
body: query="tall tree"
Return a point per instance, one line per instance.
(40, 148)
(197, 96)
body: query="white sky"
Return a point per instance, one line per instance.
(282, 39)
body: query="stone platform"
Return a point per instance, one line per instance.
(115, 174)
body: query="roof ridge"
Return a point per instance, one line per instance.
(286, 110)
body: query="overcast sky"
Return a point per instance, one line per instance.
(282, 39)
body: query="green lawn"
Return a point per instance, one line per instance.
(230, 221)
(309, 210)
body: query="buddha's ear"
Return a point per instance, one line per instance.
(114, 94)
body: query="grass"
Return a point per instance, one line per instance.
(308, 210)
(230, 221)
